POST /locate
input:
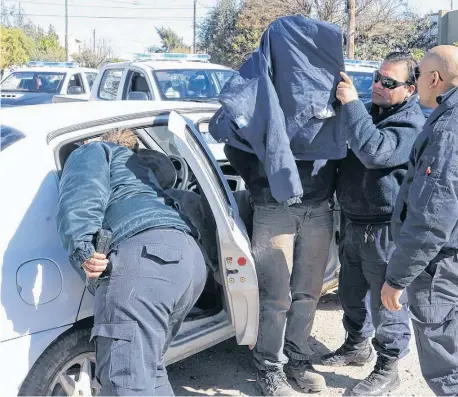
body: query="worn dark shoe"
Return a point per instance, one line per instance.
(304, 374)
(274, 383)
(382, 380)
(349, 355)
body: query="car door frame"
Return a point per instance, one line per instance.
(241, 291)
(128, 78)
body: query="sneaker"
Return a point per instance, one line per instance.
(304, 374)
(273, 383)
(382, 380)
(349, 355)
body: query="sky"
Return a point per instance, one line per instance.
(129, 24)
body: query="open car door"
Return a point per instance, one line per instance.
(236, 264)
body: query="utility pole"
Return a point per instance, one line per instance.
(66, 31)
(93, 41)
(194, 29)
(351, 9)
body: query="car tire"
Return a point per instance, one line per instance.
(67, 348)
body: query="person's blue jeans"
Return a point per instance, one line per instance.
(291, 247)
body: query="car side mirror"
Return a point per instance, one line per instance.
(75, 90)
(137, 96)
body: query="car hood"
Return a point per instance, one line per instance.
(18, 98)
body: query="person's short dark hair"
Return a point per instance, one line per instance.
(409, 60)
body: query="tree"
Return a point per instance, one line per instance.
(15, 47)
(382, 25)
(154, 49)
(47, 46)
(408, 32)
(170, 40)
(217, 31)
(90, 59)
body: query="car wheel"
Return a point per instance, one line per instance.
(66, 368)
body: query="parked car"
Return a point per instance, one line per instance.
(362, 74)
(40, 82)
(161, 77)
(46, 311)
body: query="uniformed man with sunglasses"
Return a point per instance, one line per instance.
(380, 138)
(425, 227)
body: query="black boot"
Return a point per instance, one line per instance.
(273, 383)
(349, 354)
(383, 379)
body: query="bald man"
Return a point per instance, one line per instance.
(425, 227)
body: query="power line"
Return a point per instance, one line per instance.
(110, 7)
(106, 17)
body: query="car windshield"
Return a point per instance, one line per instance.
(193, 85)
(47, 82)
(362, 82)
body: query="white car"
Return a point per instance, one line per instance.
(41, 82)
(162, 77)
(362, 74)
(46, 311)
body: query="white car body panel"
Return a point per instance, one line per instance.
(30, 323)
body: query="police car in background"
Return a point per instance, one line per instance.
(362, 74)
(39, 82)
(162, 77)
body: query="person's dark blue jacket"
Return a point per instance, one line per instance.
(425, 220)
(104, 185)
(370, 176)
(282, 105)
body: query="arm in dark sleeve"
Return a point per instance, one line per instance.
(380, 148)
(84, 192)
(432, 212)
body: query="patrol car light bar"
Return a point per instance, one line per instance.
(170, 56)
(362, 63)
(53, 64)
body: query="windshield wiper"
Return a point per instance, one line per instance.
(199, 99)
(16, 89)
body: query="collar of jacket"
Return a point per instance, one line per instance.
(386, 112)
(445, 101)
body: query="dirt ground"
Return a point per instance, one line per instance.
(226, 369)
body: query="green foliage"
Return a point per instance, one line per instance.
(16, 47)
(231, 31)
(170, 40)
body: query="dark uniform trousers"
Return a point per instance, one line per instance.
(156, 278)
(433, 304)
(365, 251)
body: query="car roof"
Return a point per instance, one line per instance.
(167, 65)
(50, 69)
(63, 115)
(357, 68)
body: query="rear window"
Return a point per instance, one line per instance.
(8, 136)
(109, 84)
(91, 76)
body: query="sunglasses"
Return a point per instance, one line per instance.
(388, 82)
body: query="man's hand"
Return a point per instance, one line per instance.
(390, 298)
(95, 265)
(346, 91)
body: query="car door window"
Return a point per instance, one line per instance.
(138, 83)
(90, 78)
(109, 84)
(76, 81)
